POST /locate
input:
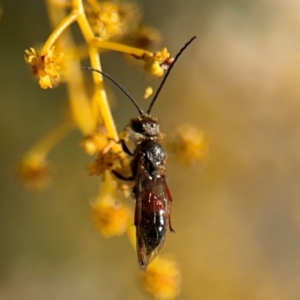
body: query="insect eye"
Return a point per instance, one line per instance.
(137, 126)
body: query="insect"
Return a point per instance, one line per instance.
(148, 168)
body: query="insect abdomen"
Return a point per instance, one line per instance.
(150, 222)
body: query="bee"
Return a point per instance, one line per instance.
(150, 191)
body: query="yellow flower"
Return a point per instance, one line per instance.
(188, 144)
(104, 18)
(44, 66)
(95, 142)
(157, 62)
(33, 171)
(108, 160)
(110, 216)
(110, 20)
(162, 279)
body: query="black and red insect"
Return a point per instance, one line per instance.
(148, 167)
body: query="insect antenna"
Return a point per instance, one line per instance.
(167, 74)
(118, 85)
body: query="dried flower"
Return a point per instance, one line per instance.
(144, 37)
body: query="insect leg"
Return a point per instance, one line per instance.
(169, 221)
(125, 148)
(170, 201)
(120, 176)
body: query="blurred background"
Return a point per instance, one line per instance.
(237, 217)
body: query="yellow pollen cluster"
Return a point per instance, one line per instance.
(162, 279)
(157, 62)
(105, 19)
(188, 144)
(44, 66)
(33, 172)
(111, 217)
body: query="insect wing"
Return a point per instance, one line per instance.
(152, 214)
